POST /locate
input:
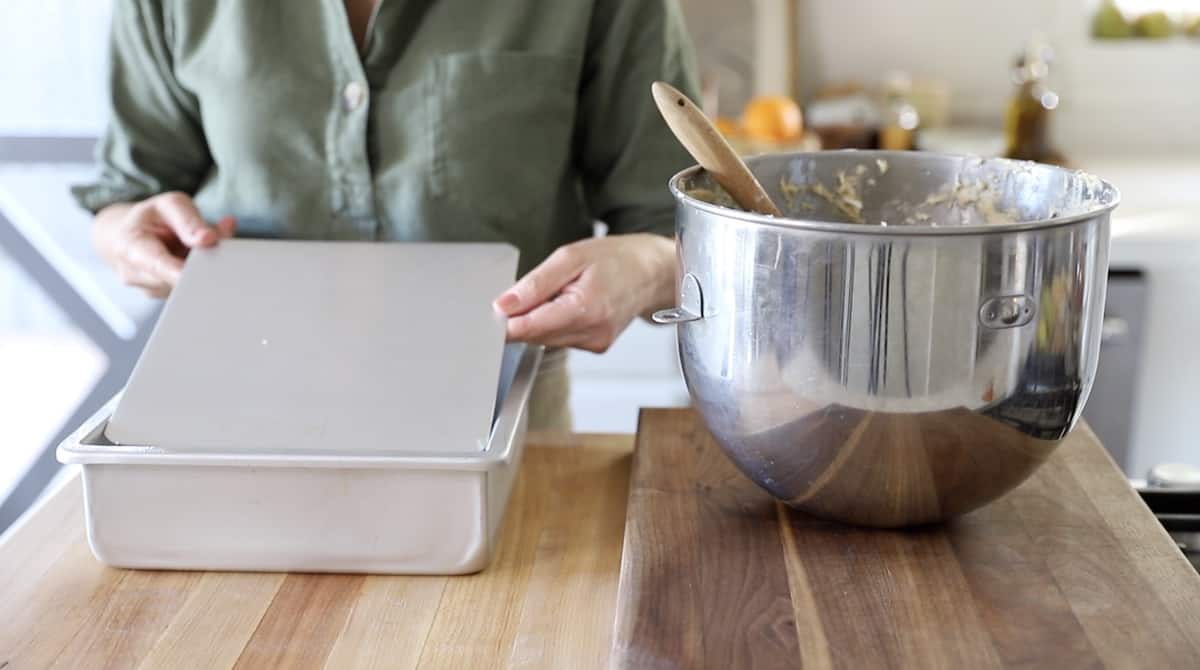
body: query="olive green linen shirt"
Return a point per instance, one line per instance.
(520, 121)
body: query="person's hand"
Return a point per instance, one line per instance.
(146, 242)
(587, 292)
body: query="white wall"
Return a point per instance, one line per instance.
(1139, 96)
(1115, 94)
(52, 66)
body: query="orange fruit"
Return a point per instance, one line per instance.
(773, 118)
(727, 126)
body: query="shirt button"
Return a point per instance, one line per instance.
(353, 95)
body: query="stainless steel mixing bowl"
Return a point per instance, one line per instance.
(899, 374)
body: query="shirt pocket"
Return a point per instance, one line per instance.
(502, 127)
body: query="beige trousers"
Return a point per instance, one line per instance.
(549, 402)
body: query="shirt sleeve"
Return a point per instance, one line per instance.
(154, 141)
(625, 149)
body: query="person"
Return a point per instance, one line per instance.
(451, 120)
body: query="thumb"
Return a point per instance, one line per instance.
(226, 227)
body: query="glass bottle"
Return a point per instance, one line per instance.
(1027, 122)
(900, 118)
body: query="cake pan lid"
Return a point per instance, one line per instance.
(306, 346)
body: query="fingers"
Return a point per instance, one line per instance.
(152, 286)
(588, 340)
(226, 227)
(146, 242)
(179, 213)
(149, 264)
(579, 317)
(566, 312)
(543, 282)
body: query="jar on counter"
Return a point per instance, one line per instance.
(900, 117)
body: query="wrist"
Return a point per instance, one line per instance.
(664, 264)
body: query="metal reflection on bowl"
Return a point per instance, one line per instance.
(901, 374)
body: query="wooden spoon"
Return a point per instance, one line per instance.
(706, 144)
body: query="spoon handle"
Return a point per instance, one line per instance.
(710, 149)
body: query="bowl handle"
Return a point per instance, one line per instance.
(1007, 311)
(691, 303)
(674, 315)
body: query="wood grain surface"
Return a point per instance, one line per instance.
(547, 600)
(1070, 570)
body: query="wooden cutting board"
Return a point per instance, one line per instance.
(1070, 570)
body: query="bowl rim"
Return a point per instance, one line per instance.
(683, 199)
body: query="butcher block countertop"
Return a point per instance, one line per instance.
(1070, 570)
(546, 601)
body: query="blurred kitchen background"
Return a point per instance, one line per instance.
(1110, 87)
